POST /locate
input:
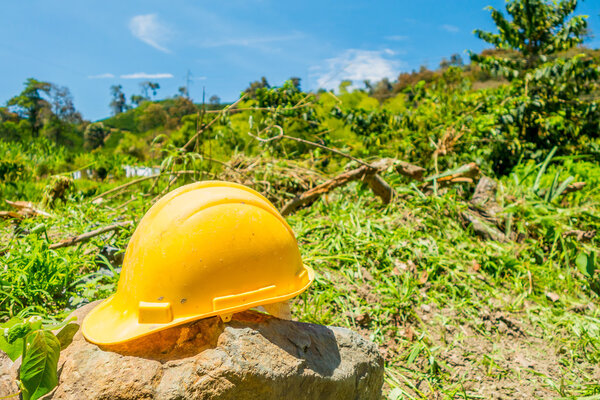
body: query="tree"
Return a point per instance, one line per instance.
(183, 91)
(537, 29)
(548, 103)
(31, 105)
(296, 82)
(455, 61)
(148, 87)
(94, 135)
(63, 106)
(254, 86)
(119, 101)
(214, 100)
(137, 99)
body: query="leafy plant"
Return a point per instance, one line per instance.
(39, 349)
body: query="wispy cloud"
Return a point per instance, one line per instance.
(251, 41)
(450, 28)
(150, 30)
(143, 75)
(396, 38)
(107, 75)
(356, 65)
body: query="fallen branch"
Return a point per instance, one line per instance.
(27, 209)
(380, 187)
(88, 235)
(470, 170)
(409, 170)
(574, 187)
(10, 214)
(581, 236)
(481, 227)
(366, 172)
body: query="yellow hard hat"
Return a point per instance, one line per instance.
(205, 249)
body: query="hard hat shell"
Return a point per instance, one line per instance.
(205, 249)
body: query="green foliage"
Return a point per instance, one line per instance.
(94, 135)
(118, 104)
(538, 29)
(549, 100)
(534, 128)
(30, 103)
(38, 374)
(33, 341)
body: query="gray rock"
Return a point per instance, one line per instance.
(254, 356)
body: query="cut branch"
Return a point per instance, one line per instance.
(366, 172)
(88, 235)
(574, 187)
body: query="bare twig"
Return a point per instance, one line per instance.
(27, 209)
(581, 236)
(574, 187)
(145, 178)
(88, 235)
(126, 185)
(261, 109)
(205, 127)
(10, 214)
(284, 136)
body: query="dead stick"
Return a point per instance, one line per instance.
(260, 109)
(312, 194)
(88, 235)
(284, 136)
(203, 128)
(380, 187)
(145, 178)
(126, 185)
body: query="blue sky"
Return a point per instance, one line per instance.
(90, 45)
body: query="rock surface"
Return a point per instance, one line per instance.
(254, 356)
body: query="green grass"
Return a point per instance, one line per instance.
(455, 316)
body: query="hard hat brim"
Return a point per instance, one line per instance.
(108, 325)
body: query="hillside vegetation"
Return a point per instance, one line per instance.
(450, 216)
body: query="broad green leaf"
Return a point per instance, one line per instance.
(13, 349)
(585, 264)
(38, 373)
(65, 336)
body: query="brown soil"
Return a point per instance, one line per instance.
(499, 355)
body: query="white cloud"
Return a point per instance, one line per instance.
(450, 28)
(150, 30)
(101, 76)
(357, 66)
(143, 75)
(396, 38)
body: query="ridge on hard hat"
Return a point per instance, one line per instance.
(205, 249)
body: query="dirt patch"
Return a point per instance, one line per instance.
(499, 355)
